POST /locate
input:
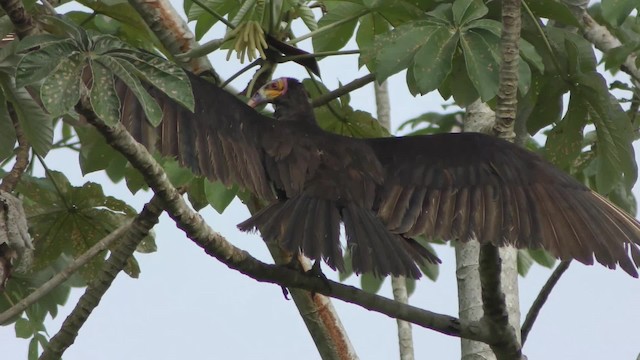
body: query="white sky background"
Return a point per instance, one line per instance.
(187, 305)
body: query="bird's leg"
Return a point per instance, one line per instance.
(316, 271)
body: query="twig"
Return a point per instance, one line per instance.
(355, 84)
(542, 298)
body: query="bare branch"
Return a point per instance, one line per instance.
(541, 299)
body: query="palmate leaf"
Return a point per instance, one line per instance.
(481, 63)
(60, 91)
(103, 97)
(38, 64)
(126, 72)
(337, 38)
(66, 219)
(167, 77)
(564, 141)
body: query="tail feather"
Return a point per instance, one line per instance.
(312, 226)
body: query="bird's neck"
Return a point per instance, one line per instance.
(295, 110)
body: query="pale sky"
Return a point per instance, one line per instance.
(187, 305)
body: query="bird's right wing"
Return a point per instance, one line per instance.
(223, 139)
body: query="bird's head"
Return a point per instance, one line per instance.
(275, 90)
(290, 100)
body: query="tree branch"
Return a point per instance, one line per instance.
(541, 299)
(133, 235)
(172, 31)
(19, 17)
(217, 246)
(355, 84)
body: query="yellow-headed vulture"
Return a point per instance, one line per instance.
(384, 190)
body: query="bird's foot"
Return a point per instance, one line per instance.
(316, 271)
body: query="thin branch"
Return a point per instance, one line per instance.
(541, 299)
(135, 232)
(347, 88)
(63, 275)
(10, 181)
(217, 246)
(317, 55)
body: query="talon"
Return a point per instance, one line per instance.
(285, 293)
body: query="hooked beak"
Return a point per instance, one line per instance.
(257, 99)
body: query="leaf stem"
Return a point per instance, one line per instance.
(554, 58)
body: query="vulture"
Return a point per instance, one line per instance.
(385, 191)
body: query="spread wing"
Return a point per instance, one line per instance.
(312, 179)
(463, 186)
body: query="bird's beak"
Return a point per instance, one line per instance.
(257, 99)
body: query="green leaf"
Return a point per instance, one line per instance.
(195, 192)
(613, 127)
(545, 101)
(336, 38)
(95, 153)
(218, 195)
(564, 141)
(479, 50)
(23, 327)
(614, 58)
(66, 219)
(38, 64)
(528, 52)
(104, 100)
(394, 51)
(125, 71)
(542, 257)
(33, 349)
(465, 11)
(370, 283)
(148, 244)
(615, 12)
(348, 268)
(458, 84)
(60, 91)
(7, 130)
(164, 75)
(37, 126)
(553, 10)
(433, 62)
(178, 175)
(370, 25)
(524, 262)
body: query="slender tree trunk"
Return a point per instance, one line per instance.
(398, 284)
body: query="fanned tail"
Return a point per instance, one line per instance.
(311, 226)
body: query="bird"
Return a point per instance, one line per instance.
(385, 191)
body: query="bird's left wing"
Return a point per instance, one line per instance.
(463, 186)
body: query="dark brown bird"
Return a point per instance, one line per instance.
(384, 190)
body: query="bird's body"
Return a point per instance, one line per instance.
(385, 190)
